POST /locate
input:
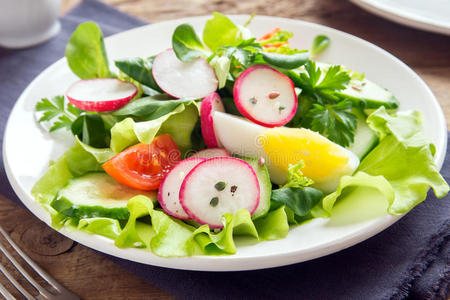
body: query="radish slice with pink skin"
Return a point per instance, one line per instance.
(101, 94)
(169, 190)
(265, 96)
(211, 153)
(195, 79)
(217, 186)
(210, 104)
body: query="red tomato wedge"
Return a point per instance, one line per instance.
(144, 166)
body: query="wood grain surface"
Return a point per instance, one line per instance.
(90, 274)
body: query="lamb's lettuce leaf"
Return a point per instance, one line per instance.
(149, 108)
(86, 54)
(140, 70)
(320, 43)
(186, 44)
(300, 200)
(91, 130)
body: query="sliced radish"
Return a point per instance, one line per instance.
(265, 96)
(211, 153)
(217, 186)
(169, 190)
(210, 104)
(195, 79)
(101, 94)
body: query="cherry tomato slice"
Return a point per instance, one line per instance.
(143, 166)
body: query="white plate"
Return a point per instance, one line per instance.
(430, 15)
(28, 149)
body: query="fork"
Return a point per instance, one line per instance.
(61, 292)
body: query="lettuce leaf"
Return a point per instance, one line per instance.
(360, 179)
(221, 31)
(76, 161)
(128, 132)
(180, 127)
(106, 227)
(273, 226)
(222, 242)
(401, 167)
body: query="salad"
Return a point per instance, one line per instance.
(224, 135)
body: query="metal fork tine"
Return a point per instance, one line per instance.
(25, 274)
(5, 293)
(15, 283)
(43, 293)
(30, 262)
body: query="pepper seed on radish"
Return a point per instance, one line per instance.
(265, 96)
(217, 186)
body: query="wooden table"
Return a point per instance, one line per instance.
(91, 275)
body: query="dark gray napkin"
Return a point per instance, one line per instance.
(409, 260)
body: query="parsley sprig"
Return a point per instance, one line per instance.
(323, 111)
(58, 112)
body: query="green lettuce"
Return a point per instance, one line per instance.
(223, 242)
(401, 167)
(76, 161)
(128, 132)
(221, 31)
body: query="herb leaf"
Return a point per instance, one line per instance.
(299, 200)
(149, 108)
(65, 113)
(90, 129)
(186, 44)
(139, 69)
(320, 43)
(335, 79)
(335, 121)
(86, 54)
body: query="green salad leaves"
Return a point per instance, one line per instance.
(86, 54)
(401, 167)
(333, 101)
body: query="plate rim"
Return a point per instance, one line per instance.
(403, 18)
(186, 263)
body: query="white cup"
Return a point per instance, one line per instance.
(25, 23)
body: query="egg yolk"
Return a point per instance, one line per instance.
(285, 146)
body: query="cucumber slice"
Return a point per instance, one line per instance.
(371, 94)
(365, 138)
(96, 195)
(265, 187)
